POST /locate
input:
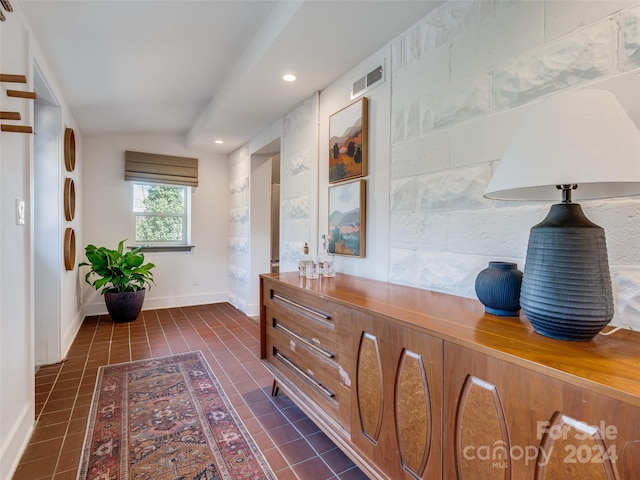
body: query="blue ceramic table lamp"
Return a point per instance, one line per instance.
(576, 145)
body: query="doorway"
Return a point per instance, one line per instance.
(47, 243)
(264, 217)
(275, 213)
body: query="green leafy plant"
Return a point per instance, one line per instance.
(117, 271)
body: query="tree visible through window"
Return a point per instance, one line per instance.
(160, 213)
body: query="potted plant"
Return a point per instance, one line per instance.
(121, 277)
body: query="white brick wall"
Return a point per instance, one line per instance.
(298, 197)
(239, 234)
(575, 59)
(630, 39)
(458, 82)
(462, 78)
(298, 184)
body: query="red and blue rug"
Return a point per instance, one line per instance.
(166, 419)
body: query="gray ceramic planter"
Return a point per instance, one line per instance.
(124, 306)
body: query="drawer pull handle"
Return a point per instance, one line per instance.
(304, 375)
(301, 307)
(303, 340)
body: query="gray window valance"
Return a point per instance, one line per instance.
(151, 167)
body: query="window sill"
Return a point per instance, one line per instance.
(163, 248)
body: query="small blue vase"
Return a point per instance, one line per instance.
(498, 288)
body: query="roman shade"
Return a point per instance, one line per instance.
(151, 167)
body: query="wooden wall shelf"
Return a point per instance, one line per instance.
(7, 77)
(6, 5)
(10, 116)
(22, 94)
(11, 78)
(16, 128)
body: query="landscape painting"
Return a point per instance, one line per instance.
(348, 142)
(347, 219)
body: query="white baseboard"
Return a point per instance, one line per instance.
(166, 302)
(12, 449)
(70, 335)
(253, 310)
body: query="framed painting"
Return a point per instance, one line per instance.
(348, 139)
(347, 214)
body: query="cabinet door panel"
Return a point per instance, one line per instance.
(413, 413)
(572, 449)
(481, 421)
(552, 429)
(370, 386)
(397, 410)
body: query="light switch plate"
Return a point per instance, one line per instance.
(19, 212)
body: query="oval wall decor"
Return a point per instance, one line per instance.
(69, 248)
(69, 199)
(69, 150)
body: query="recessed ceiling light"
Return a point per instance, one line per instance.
(219, 142)
(289, 77)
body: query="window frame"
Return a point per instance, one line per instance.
(186, 216)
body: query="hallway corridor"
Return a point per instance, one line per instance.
(292, 444)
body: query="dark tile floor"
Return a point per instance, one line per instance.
(292, 444)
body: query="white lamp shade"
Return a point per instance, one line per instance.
(583, 137)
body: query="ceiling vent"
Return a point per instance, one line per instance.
(367, 82)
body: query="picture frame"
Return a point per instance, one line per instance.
(348, 142)
(347, 219)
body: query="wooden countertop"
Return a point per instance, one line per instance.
(608, 364)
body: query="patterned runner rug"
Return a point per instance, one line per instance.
(166, 419)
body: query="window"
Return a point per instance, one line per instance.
(161, 214)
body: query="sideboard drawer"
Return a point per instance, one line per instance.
(318, 375)
(326, 325)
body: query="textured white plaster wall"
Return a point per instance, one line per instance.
(332, 99)
(457, 83)
(298, 199)
(19, 51)
(462, 78)
(16, 315)
(239, 234)
(298, 184)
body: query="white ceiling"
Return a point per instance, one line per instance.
(206, 69)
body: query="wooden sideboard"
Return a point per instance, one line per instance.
(418, 384)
